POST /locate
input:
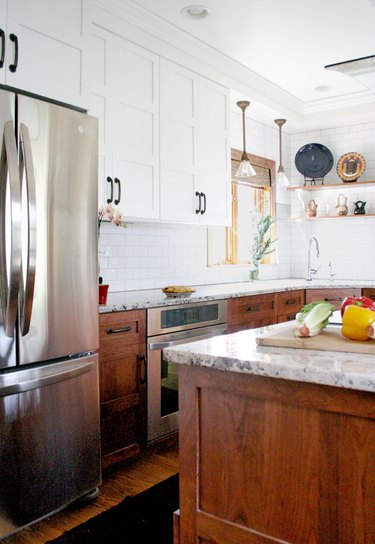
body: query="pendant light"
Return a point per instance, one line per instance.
(245, 170)
(281, 177)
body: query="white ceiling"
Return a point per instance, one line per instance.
(286, 42)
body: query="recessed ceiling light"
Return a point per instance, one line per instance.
(195, 12)
(322, 88)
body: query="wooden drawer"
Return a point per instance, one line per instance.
(246, 310)
(334, 296)
(369, 293)
(119, 330)
(288, 304)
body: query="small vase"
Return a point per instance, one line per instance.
(103, 292)
(254, 273)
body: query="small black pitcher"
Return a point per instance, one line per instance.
(359, 207)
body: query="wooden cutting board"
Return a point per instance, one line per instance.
(330, 339)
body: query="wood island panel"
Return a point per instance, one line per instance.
(289, 462)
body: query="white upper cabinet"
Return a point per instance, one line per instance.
(44, 47)
(178, 144)
(194, 147)
(124, 95)
(214, 151)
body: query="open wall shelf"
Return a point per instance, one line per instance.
(331, 217)
(347, 185)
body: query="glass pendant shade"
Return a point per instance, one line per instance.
(281, 176)
(245, 169)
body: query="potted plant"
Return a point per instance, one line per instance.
(262, 245)
(112, 214)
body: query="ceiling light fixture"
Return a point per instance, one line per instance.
(195, 12)
(245, 170)
(281, 175)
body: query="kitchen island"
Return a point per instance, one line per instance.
(276, 444)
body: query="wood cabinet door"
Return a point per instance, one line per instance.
(122, 370)
(50, 48)
(251, 312)
(334, 296)
(288, 304)
(369, 293)
(3, 28)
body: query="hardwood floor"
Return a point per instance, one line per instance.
(118, 482)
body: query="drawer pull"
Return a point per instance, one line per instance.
(115, 331)
(338, 299)
(253, 309)
(143, 369)
(291, 301)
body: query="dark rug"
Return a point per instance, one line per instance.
(143, 518)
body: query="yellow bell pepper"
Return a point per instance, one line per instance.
(356, 321)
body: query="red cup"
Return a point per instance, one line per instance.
(103, 292)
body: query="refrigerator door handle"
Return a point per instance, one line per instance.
(10, 265)
(28, 384)
(27, 289)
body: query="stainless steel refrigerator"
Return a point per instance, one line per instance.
(49, 399)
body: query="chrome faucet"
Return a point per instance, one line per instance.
(311, 271)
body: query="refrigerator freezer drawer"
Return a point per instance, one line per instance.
(49, 439)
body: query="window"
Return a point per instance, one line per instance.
(250, 201)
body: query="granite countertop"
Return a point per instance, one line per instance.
(151, 298)
(239, 352)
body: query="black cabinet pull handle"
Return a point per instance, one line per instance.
(110, 199)
(338, 299)
(13, 67)
(143, 369)
(117, 201)
(2, 36)
(204, 203)
(253, 309)
(115, 331)
(291, 301)
(200, 202)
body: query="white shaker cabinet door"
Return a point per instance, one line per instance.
(3, 38)
(214, 152)
(47, 35)
(178, 144)
(134, 78)
(101, 104)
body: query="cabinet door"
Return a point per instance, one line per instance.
(101, 104)
(122, 374)
(3, 41)
(214, 152)
(134, 78)
(50, 48)
(178, 143)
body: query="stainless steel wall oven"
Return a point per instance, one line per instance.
(169, 326)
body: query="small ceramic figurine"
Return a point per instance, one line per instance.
(341, 206)
(311, 208)
(359, 207)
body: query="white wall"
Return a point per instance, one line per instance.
(346, 242)
(146, 256)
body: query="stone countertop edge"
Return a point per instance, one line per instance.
(153, 298)
(239, 352)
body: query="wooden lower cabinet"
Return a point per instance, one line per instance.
(288, 304)
(250, 312)
(122, 372)
(266, 460)
(369, 293)
(334, 296)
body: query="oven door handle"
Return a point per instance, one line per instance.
(153, 346)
